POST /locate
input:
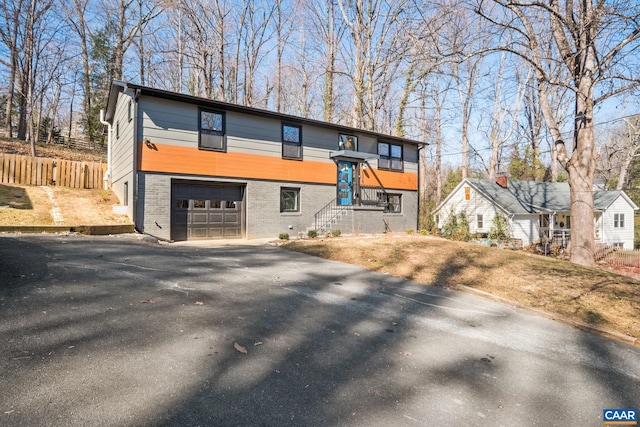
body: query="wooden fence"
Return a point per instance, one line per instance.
(618, 257)
(27, 170)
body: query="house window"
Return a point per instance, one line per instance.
(618, 245)
(289, 199)
(618, 220)
(392, 203)
(129, 115)
(125, 201)
(118, 129)
(480, 222)
(467, 193)
(211, 135)
(291, 142)
(390, 157)
(347, 142)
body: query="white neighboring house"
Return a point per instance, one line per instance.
(537, 211)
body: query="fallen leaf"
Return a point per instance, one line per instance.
(258, 343)
(240, 348)
(148, 301)
(199, 303)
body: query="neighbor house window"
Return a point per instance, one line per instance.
(390, 157)
(618, 220)
(118, 129)
(125, 200)
(289, 199)
(291, 142)
(392, 202)
(347, 142)
(467, 193)
(211, 126)
(480, 222)
(129, 114)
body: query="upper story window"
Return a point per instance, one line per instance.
(618, 220)
(291, 142)
(347, 142)
(467, 193)
(390, 157)
(211, 127)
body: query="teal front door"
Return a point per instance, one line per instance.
(345, 183)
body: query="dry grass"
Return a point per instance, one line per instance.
(11, 146)
(27, 205)
(590, 295)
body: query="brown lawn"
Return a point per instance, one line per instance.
(588, 295)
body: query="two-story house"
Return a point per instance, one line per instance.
(186, 168)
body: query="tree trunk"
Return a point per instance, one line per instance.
(581, 169)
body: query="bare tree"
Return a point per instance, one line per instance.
(376, 30)
(594, 41)
(11, 14)
(503, 121)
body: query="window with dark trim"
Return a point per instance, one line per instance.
(291, 142)
(480, 221)
(392, 202)
(118, 129)
(211, 131)
(618, 220)
(390, 157)
(129, 114)
(347, 142)
(289, 199)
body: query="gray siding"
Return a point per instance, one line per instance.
(122, 151)
(176, 123)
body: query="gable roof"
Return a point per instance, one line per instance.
(530, 197)
(120, 86)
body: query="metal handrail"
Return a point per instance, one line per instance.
(326, 215)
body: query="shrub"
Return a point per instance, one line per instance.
(336, 233)
(457, 227)
(500, 229)
(312, 234)
(423, 232)
(409, 231)
(283, 236)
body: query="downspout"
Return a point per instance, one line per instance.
(107, 177)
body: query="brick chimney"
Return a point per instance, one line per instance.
(502, 181)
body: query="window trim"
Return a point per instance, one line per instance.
(618, 220)
(290, 211)
(291, 143)
(387, 197)
(390, 158)
(479, 221)
(222, 134)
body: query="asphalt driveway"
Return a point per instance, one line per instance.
(118, 331)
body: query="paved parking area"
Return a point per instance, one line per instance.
(118, 331)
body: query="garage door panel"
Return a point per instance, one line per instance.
(231, 218)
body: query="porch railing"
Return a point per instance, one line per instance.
(372, 196)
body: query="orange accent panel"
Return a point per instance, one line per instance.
(184, 160)
(390, 180)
